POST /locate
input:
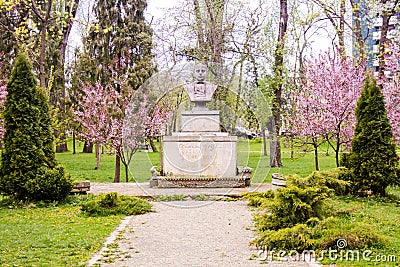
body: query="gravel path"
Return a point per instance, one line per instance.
(186, 233)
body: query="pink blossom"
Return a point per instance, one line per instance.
(391, 88)
(97, 113)
(156, 120)
(325, 105)
(3, 94)
(117, 116)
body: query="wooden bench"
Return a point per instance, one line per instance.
(81, 187)
(144, 147)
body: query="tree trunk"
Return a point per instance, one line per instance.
(291, 146)
(215, 12)
(73, 142)
(275, 154)
(355, 6)
(97, 156)
(59, 97)
(336, 147)
(315, 144)
(117, 176)
(383, 40)
(341, 26)
(87, 147)
(153, 146)
(126, 173)
(238, 93)
(327, 150)
(200, 35)
(62, 147)
(42, 56)
(276, 160)
(43, 41)
(337, 150)
(161, 157)
(264, 143)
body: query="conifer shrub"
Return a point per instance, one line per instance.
(114, 204)
(372, 163)
(29, 170)
(331, 179)
(49, 184)
(258, 199)
(293, 205)
(299, 217)
(296, 238)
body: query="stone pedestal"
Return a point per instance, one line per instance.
(199, 155)
(200, 121)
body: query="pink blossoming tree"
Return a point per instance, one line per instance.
(98, 114)
(117, 116)
(156, 121)
(324, 106)
(3, 94)
(391, 88)
(307, 121)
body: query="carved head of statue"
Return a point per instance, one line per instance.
(200, 72)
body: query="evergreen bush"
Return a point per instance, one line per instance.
(29, 170)
(372, 163)
(300, 218)
(114, 204)
(294, 221)
(296, 238)
(331, 179)
(49, 184)
(257, 199)
(293, 205)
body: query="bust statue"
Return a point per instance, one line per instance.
(200, 91)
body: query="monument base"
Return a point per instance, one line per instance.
(199, 182)
(241, 180)
(210, 154)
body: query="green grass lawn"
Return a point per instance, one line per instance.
(59, 235)
(383, 216)
(54, 235)
(81, 166)
(250, 153)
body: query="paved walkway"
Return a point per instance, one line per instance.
(184, 233)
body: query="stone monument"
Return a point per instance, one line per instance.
(200, 155)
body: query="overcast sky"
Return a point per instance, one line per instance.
(154, 7)
(155, 11)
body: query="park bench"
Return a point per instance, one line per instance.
(144, 147)
(81, 187)
(278, 181)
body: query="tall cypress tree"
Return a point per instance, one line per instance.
(373, 161)
(28, 166)
(121, 38)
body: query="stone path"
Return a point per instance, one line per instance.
(184, 233)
